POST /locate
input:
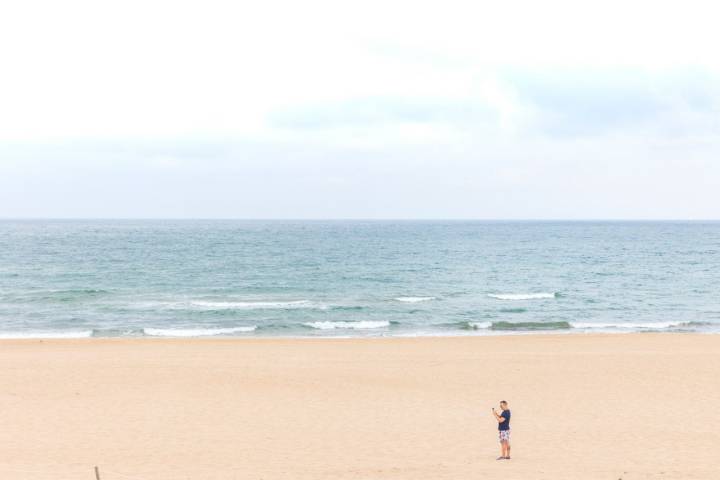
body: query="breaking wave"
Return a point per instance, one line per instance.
(196, 332)
(414, 299)
(475, 325)
(229, 305)
(255, 305)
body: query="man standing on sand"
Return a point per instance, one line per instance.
(503, 430)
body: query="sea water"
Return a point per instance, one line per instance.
(194, 278)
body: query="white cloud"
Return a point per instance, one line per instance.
(86, 69)
(319, 108)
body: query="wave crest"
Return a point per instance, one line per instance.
(413, 299)
(476, 325)
(196, 332)
(254, 305)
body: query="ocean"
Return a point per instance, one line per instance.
(242, 278)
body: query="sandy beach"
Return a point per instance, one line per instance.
(632, 406)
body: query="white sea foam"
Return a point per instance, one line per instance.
(362, 325)
(258, 305)
(196, 332)
(521, 296)
(20, 335)
(227, 305)
(627, 325)
(414, 299)
(480, 325)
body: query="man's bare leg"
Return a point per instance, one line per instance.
(502, 451)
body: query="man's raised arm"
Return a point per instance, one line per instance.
(499, 418)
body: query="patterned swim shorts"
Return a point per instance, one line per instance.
(504, 435)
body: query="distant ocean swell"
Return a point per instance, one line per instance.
(523, 296)
(196, 304)
(61, 295)
(214, 305)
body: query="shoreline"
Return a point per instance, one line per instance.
(614, 338)
(364, 407)
(252, 337)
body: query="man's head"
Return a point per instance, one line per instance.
(503, 404)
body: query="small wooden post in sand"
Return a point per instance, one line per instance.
(97, 473)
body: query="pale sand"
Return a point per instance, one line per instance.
(632, 406)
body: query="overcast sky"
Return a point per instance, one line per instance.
(305, 109)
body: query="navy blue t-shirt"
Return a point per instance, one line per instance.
(506, 424)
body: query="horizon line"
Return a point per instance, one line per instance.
(362, 219)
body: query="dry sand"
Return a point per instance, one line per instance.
(632, 406)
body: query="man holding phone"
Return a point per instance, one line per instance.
(503, 430)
